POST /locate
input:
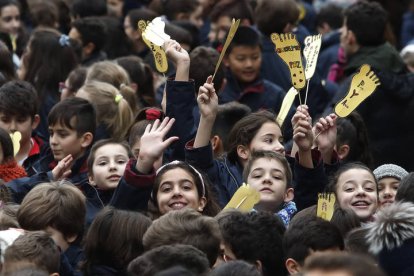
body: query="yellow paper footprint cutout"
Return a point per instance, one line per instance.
(160, 58)
(287, 47)
(16, 137)
(286, 104)
(311, 53)
(363, 84)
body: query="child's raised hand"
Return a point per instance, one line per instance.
(62, 169)
(325, 133)
(302, 128)
(175, 52)
(207, 100)
(153, 143)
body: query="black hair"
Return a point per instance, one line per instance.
(367, 20)
(74, 108)
(310, 234)
(228, 115)
(245, 36)
(142, 13)
(92, 30)
(141, 74)
(235, 268)
(167, 256)
(6, 145)
(178, 33)
(203, 62)
(18, 98)
(255, 236)
(332, 15)
(7, 71)
(405, 191)
(173, 7)
(82, 8)
(239, 9)
(272, 16)
(353, 132)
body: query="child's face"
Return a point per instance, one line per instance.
(65, 141)
(244, 63)
(387, 189)
(24, 124)
(177, 190)
(269, 137)
(268, 177)
(356, 189)
(108, 166)
(219, 29)
(10, 20)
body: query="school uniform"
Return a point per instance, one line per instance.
(258, 95)
(226, 176)
(388, 111)
(134, 189)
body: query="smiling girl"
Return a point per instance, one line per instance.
(355, 188)
(174, 186)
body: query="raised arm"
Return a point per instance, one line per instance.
(208, 103)
(153, 144)
(303, 136)
(325, 133)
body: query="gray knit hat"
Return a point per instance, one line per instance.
(390, 170)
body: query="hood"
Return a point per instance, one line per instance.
(383, 57)
(393, 226)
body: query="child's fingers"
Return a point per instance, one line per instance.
(147, 128)
(202, 90)
(209, 79)
(324, 122)
(169, 141)
(203, 98)
(155, 125)
(163, 123)
(167, 126)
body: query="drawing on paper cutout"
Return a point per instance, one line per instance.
(363, 84)
(287, 47)
(311, 53)
(326, 206)
(160, 58)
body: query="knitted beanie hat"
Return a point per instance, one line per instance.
(390, 170)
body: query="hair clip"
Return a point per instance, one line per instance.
(118, 98)
(64, 40)
(152, 114)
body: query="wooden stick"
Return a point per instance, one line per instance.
(232, 31)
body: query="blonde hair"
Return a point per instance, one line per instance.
(111, 109)
(112, 73)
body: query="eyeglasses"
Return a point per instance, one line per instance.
(62, 86)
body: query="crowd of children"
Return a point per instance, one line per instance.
(109, 167)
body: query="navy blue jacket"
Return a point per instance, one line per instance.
(181, 102)
(134, 189)
(226, 176)
(328, 54)
(43, 168)
(261, 94)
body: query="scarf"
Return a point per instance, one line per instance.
(11, 170)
